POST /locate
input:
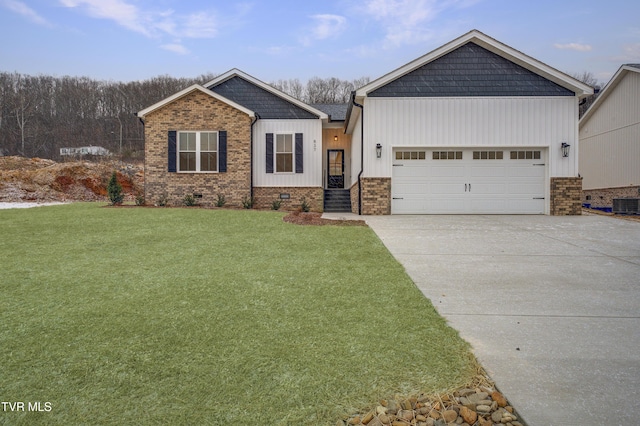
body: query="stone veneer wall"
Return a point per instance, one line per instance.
(198, 111)
(376, 196)
(566, 195)
(264, 196)
(353, 191)
(604, 197)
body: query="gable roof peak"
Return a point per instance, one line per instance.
(235, 72)
(492, 45)
(184, 92)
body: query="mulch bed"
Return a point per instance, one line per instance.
(311, 218)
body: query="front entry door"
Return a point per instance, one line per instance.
(335, 162)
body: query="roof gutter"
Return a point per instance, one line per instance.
(353, 101)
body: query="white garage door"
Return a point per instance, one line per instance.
(469, 181)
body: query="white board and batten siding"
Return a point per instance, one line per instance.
(510, 122)
(312, 156)
(610, 138)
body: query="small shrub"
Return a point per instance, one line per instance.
(304, 205)
(221, 201)
(140, 200)
(275, 204)
(114, 190)
(189, 200)
(163, 200)
(248, 202)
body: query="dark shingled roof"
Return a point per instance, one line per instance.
(266, 104)
(470, 70)
(336, 112)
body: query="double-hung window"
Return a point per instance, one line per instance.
(197, 151)
(284, 153)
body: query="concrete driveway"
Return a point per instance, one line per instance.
(551, 305)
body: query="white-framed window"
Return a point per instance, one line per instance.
(198, 151)
(284, 153)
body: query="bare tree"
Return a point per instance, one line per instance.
(587, 78)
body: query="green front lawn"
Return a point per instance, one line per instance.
(195, 316)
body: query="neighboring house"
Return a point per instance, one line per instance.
(84, 150)
(610, 141)
(472, 127)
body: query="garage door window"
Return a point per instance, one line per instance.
(411, 155)
(487, 155)
(525, 155)
(447, 155)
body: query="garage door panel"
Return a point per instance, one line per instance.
(411, 188)
(533, 189)
(496, 171)
(446, 205)
(526, 171)
(446, 188)
(409, 171)
(447, 171)
(525, 206)
(498, 188)
(488, 206)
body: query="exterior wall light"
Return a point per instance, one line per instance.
(378, 150)
(565, 149)
(335, 138)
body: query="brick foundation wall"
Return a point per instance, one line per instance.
(604, 197)
(566, 195)
(376, 196)
(353, 191)
(265, 196)
(197, 111)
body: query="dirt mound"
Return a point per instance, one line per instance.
(36, 179)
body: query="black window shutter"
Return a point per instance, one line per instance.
(269, 156)
(299, 153)
(222, 151)
(172, 156)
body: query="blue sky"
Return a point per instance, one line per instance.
(124, 40)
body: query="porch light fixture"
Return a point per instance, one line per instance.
(335, 138)
(565, 149)
(378, 150)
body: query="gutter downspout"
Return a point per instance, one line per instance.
(144, 163)
(257, 117)
(353, 100)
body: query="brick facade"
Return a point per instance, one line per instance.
(376, 196)
(265, 196)
(199, 112)
(566, 195)
(353, 191)
(604, 197)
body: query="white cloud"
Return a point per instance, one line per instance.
(151, 24)
(175, 48)
(324, 27)
(406, 21)
(630, 54)
(24, 10)
(573, 46)
(328, 26)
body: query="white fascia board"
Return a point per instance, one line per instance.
(608, 89)
(188, 90)
(492, 45)
(236, 72)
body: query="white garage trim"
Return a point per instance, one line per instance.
(469, 180)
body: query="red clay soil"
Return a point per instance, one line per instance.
(41, 180)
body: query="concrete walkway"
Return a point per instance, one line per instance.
(551, 305)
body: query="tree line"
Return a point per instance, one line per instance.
(41, 114)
